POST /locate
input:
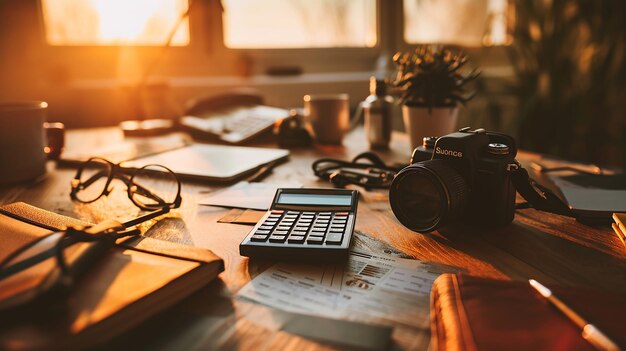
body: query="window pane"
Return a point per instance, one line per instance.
(299, 23)
(114, 22)
(461, 22)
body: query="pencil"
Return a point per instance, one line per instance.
(589, 331)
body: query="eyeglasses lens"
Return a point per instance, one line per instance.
(154, 187)
(93, 180)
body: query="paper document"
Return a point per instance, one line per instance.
(366, 286)
(256, 196)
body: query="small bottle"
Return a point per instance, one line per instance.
(377, 114)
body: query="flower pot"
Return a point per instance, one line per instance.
(419, 122)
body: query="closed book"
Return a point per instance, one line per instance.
(129, 282)
(470, 313)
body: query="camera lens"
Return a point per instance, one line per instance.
(427, 195)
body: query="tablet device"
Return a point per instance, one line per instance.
(221, 163)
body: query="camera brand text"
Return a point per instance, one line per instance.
(446, 152)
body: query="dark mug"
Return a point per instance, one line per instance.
(24, 144)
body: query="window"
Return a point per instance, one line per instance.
(299, 23)
(114, 22)
(462, 22)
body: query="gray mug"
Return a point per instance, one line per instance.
(22, 141)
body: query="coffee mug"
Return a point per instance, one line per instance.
(23, 142)
(329, 115)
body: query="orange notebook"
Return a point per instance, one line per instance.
(129, 283)
(619, 226)
(469, 313)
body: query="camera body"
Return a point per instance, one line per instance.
(462, 176)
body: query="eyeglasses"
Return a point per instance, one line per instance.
(151, 187)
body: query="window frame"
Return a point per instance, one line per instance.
(206, 47)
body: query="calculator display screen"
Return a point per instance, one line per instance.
(315, 199)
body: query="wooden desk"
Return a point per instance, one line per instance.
(550, 248)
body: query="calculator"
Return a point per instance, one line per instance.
(304, 224)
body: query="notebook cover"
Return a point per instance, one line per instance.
(619, 226)
(135, 280)
(469, 313)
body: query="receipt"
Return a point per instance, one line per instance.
(367, 285)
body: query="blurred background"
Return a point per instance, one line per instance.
(553, 72)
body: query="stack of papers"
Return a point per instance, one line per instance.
(619, 227)
(369, 285)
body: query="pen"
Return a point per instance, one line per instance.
(263, 172)
(589, 331)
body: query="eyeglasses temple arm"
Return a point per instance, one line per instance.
(146, 217)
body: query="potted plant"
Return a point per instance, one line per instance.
(432, 82)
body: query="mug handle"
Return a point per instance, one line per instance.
(55, 139)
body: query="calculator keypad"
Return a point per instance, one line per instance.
(296, 227)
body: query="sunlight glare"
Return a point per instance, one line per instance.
(114, 22)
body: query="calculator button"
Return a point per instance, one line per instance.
(308, 214)
(289, 217)
(299, 228)
(325, 213)
(258, 238)
(341, 214)
(278, 212)
(315, 240)
(298, 232)
(270, 222)
(262, 232)
(336, 230)
(296, 239)
(323, 217)
(339, 221)
(277, 238)
(337, 225)
(293, 213)
(334, 239)
(305, 220)
(266, 227)
(307, 217)
(322, 221)
(317, 233)
(280, 232)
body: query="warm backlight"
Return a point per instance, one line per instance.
(114, 22)
(266, 24)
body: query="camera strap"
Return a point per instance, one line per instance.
(366, 169)
(538, 196)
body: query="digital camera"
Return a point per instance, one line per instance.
(462, 176)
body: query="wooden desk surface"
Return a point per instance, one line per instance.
(550, 248)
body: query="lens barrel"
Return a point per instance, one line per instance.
(428, 195)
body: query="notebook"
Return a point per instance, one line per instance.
(619, 226)
(470, 313)
(130, 283)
